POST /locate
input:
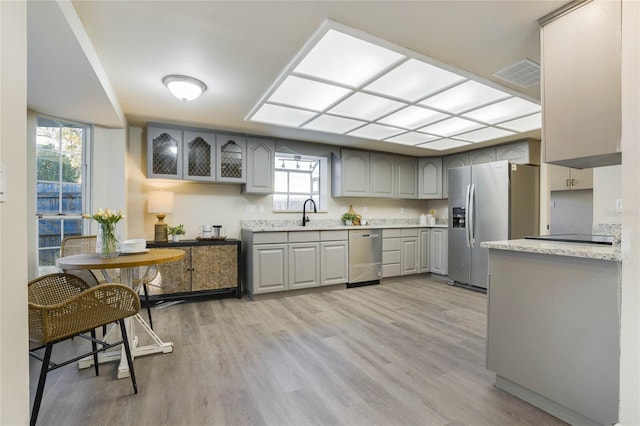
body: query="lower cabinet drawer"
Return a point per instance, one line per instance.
(391, 270)
(390, 257)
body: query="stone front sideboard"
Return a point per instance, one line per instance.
(209, 267)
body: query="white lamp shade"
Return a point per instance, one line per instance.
(183, 87)
(160, 202)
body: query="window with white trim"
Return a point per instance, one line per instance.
(298, 178)
(61, 170)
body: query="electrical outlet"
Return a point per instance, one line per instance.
(251, 208)
(365, 210)
(261, 208)
(619, 205)
(401, 210)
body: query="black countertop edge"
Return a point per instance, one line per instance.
(228, 241)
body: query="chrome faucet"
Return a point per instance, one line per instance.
(305, 218)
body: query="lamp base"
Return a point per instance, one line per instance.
(161, 230)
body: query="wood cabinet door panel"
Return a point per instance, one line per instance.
(173, 277)
(214, 267)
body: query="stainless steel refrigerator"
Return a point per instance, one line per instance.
(488, 202)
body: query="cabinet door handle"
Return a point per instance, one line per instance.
(568, 183)
(573, 182)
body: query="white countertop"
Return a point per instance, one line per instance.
(322, 227)
(557, 248)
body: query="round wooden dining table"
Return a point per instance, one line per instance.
(127, 264)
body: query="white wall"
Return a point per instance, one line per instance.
(607, 188)
(629, 413)
(224, 204)
(109, 172)
(14, 367)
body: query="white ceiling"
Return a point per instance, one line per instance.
(238, 48)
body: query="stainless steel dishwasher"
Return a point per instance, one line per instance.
(365, 257)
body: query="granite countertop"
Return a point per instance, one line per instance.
(557, 248)
(330, 225)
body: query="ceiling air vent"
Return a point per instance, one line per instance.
(524, 73)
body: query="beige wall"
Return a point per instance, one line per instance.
(607, 188)
(14, 369)
(224, 204)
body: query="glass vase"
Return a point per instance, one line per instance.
(108, 240)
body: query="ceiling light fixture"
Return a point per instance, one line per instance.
(348, 82)
(183, 87)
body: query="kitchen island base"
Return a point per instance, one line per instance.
(553, 332)
(543, 403)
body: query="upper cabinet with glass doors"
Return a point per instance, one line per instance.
(177, 154)
(231, 151)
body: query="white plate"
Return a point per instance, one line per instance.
(134, 252)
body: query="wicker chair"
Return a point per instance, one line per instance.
(62, 306)
(87, 244)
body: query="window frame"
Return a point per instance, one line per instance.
(85, 186)
(323, 178)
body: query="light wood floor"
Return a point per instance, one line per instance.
(410, 351)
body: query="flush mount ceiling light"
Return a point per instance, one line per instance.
(351, 83)
(183, 87)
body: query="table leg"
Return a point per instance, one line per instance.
(158, 346)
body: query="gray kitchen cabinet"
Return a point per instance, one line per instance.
(382, 176)
(406, 177)
(269, 268)
(334, 257)
(334, 262)
(399, 252)
(481, 156)
(581, 85)
(430, 178)
(566, 178)
(231, 151)
(521, 152)
(173, 153)
(438, 251)
(409, 252)
(423, 256)
(164, 153)
(304, 265)
(350, 174)
(261, 154)
(199, 150)
(449, 162)
(391, 253)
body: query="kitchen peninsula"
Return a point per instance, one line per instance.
(554, 324)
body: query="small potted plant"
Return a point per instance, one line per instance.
(175, 232)
(348, 218)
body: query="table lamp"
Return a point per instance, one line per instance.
(161, 203)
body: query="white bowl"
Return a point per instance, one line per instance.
(134, 246)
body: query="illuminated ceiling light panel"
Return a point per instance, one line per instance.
(464, 97)
(412, 117)
(503, 110)
(485, 134)
(442, 144)
(333, 124)
(282, 116)
(365, 107)
(451, 127)
(411, 138)
(308, 94)
(376, 131)
(413, 80)
(345, 59)
(524, 124)
(347, 82)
